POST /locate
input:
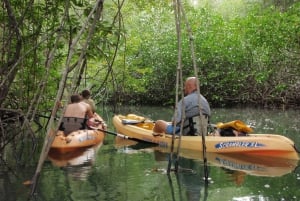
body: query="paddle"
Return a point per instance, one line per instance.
(114, 133)
(120, 135)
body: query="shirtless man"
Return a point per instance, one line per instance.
(77, 109)
(86, 97)
(76, 115)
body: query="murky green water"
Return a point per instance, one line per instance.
(125, 171)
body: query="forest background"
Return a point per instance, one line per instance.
(125, 52)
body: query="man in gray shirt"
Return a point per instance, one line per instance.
(192, 118)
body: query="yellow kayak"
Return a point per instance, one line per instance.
(137, 127)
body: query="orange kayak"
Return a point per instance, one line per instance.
(76, 140)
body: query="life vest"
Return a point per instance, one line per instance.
(191, 125)
(230, 128)
(237, 125)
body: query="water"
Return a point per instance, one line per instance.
(119, 170)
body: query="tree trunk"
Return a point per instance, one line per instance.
(9, 69)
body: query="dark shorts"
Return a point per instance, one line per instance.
(170, 129)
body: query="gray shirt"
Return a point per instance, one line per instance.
(191, 106)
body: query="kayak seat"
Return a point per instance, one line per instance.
(71, 124)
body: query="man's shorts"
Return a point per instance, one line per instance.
(170, 129)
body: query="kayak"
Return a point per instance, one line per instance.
(273, 145)
(76, 140)
(248, 164)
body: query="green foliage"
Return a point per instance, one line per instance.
(245, 54)
(244, 57)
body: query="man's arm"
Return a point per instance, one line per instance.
(89, 111)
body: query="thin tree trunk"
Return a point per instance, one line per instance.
(9, 69)
(50, 132)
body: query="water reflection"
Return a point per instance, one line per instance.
(251, 198)
(237, 163)
(78, 163)
(189, 180)
(190, 185)
(128, 170)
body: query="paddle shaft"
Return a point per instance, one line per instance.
(118, 135)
